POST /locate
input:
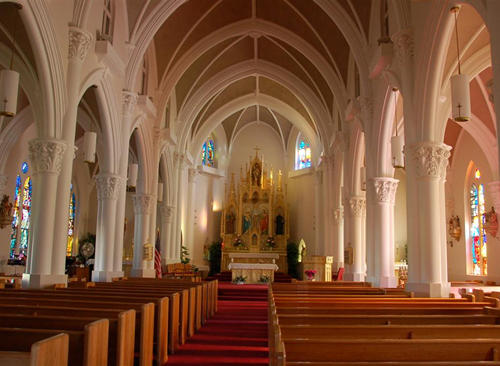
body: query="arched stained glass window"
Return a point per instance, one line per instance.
(208, 153)
(71, 223)
(477, 232)
(25, 222)
(303, 155)
(16, 215)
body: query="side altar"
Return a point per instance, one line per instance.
(255, 227)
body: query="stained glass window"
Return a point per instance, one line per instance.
(15, 217)
(208, 153)
(303, 155)
(478, 234)
(71, 223)
(25, 221)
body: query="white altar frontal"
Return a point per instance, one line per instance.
(254, 267)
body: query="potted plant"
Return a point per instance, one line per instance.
(240, 280)
(310, 273)
(264, 279)
(270, 243)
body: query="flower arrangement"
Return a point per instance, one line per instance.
(240, 280)
(270, 243)
(238, 243)
(310, 273)
(264, 279)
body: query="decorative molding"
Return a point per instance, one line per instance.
(108, 186)
(167, 212)
(338, 215)
(385, 189)
(366, 108)
(192, 174)
(46, 155)
(431, 159)
(143, 203)
(358, 206)
(129, 102)
(79, 43)
(404, 45)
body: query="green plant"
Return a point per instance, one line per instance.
(292, 257)
(240, 279)
(185, 255)
(264, 279)
(214, 257)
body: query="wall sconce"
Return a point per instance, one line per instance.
(89, 146)
(362, 178)
(133, 171)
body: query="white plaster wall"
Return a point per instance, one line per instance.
(400, 216)
(467, 150)
(259, 135)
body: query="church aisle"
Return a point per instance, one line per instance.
(236, 335)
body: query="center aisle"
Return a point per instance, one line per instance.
(236, 335)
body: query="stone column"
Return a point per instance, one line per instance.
(383, 216)
(318, 238)
(191, 195)
(429, 160)
(327, 205)
(46, 157)
(142, 267)
(108, 187)
(357, 205)
(338, 237)
(166, 227)
(128, 105)
(79, 43)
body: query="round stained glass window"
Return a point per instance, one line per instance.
(24, 167)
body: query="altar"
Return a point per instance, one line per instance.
(253, 272)
(255, 223)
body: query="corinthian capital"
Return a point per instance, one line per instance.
(403, 45)
(431, 159)
(46, 155)
(108, 186)
(143, 203)
(129, 102)
(338, 215)
(385, 189)
(358, 206)
(79, 43)
(167, 212)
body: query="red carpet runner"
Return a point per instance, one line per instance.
(236, 335)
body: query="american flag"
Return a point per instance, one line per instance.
(158, 256)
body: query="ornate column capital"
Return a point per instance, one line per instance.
(338, 215)
(358, 206)
(143, 203)
(385, 189)
(79, 43)
(192, 174)
(404, 46)
(108, 186)
(431, 159)
(167, 212)
(46, 155)
(129, 102)
(365, 108)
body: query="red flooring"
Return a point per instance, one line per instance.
(236, 335)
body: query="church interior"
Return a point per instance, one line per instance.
(263, 172)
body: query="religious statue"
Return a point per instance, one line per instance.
(491, 225)
(256, 173)
(5, 212)
(280, 225)
(230, 218)
(264, 223)
(247, 222)
(454, 228)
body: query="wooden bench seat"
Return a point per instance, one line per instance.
(398, 363)
(304, 349)
(45, 351)
(122, 342)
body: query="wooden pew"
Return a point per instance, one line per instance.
(45, 351)
(88, 344)
(161, 308)
(121, 343)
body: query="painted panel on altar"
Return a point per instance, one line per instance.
(255, 214)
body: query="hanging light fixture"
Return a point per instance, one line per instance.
(397, 144)
(133, 171)
(362, 177)
(460, 93)
(160, 192)
(9, 80)
(89, 145)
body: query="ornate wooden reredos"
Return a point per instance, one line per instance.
(255, 216)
